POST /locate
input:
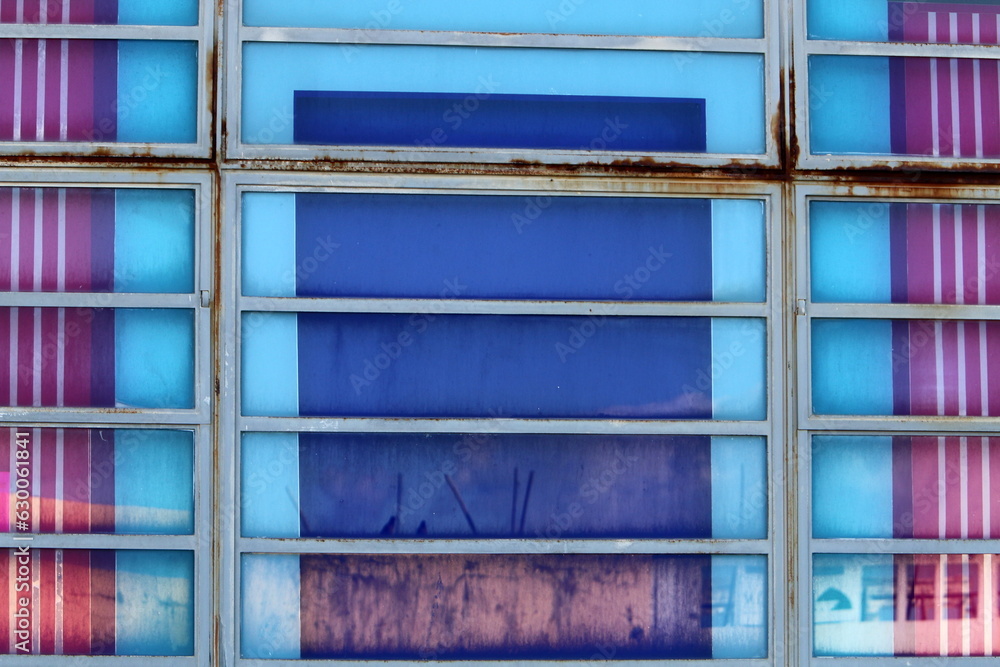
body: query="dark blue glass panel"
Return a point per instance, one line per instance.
(541, 247)
(504, 366)
(495, 120)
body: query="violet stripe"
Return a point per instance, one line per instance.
(81, 91)
(6, 89)
(5, 369)
(50, 328)
(102, 235)
(37, 239)
(15, 336)
(53, 82)
(105, 86)
(102, 359)
(902, 488)
(102, 474)
(955, 95)
(29, 89)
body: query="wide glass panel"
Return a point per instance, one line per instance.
(98, 91)
(925, 487)
(725, 91)
(102, 12)
(881, 252)
(427, 364)
(429, 607)
(932, 107)
(707, 18)
(97, 357)
(906, 367)
(504, 247)
(469, 485)
(80, 602)
(96, 240)
(55, 480)
(935, 21)
(905, 605)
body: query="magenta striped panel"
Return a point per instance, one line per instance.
(945, 107)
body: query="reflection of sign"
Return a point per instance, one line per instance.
(486, 119)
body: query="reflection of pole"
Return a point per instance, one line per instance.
(527, 495)
(461, 503)
(399, 502)
(513, 506)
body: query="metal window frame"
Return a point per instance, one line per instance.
(803, 48)
(203, 34)
(810, 425)
(768, 47)
(233, 424)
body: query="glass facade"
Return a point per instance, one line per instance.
(544, 332)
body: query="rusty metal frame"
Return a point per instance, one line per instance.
(232, 425)
(203, 34)
(769, 48)
(803, 48)
(809, 424)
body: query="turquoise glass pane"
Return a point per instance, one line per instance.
(941, 21)
(707, 18)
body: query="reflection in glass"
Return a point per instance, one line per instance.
(906, 367)
(595, 607)
(96, 240)
(484, 485)
(882, 252)
(97, 357)
(925, 487)
(427, 364)
(905, 605)
(55, 480)
(97, 602)
(535, 247)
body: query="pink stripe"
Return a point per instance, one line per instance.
(993, 366)
(919, 128)
(925, 585)
(973, 381)
(977, 597)
(76, 607)
(991, 103)
(944, 128)
(949, 290)
(4, 494)
(25, 356)
(32, 11)
(8, 11)
(29, 90)
(965, 34)
(50, 239)
(47, 613)
(970, 253)
(5, 236)
(78, 238)
(49, 367)
(967, 105)
(81, 11)
(6, 89)
(993, 255)
(953, 489)
(915, 27)
(925, 487)
(81, 90)
(994, 445)
(26, 227)
(53, 69)
(975, 495)
(954, 604)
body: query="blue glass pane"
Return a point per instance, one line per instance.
(706, 18)
(503, 247)
(427, 364)
(852, 486)
(944, 21)
(590, 607)
(469, 485)
(731, 86)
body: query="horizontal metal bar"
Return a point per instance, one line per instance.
(96, 300)
(897, 311)
(526, 545)
(569, 426)
(73, 151)
(892, 546)
(908, 661)
(499, 39)
(911, 50)
(88, 31)
(890, 423)
(907, 167)
(116, 541)
(485, 307)
(109, 416)
(106, 661)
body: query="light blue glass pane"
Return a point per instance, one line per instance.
(852, 604)
(706, 18)
(849, 252)
(739, 255)
(154, 482)
(849, 105)
(269, 618)
(856, 20)
(154, 354)
(852, 486)
(154, 614)
(739, 607)
(268, 244)
(154, 240)
(852, 367)
(732, 84)
(157, 92)
(738, 369)
(158, 12)
(269, 485)
(739, 488)
(269, 380)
